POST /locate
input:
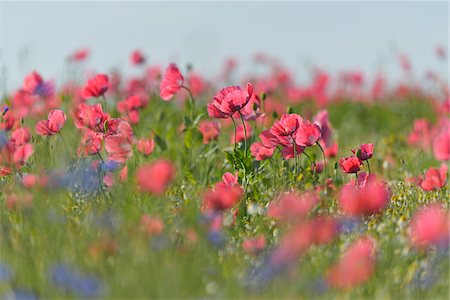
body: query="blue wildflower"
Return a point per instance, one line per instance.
(70, 280)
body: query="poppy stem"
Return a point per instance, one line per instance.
(310, 160)
(324, 160)
(356, 181)
(295, 156)
(100, 156)
(245, 132)
(368, 166)
(235, 131)
(64, 141)
(192, 101)
(104, 102)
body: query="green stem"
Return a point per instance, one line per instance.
(235, 132)
(104, 102)
(245, 132)
(295, 156)
(192, 101)
(368, 166)
(324, 160)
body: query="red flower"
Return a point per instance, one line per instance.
(90, 116)
(292, 206)
(54, 123)
(285, 128)
(137, 58)
(355, 266)
(260, 152)
(228, 180)
(307, 134)
(350, 164)
(119, 140)
(441, 145)
(255, 245)
(222, 198)
(434, 179)
(331, 151)
(151, 225)
(364, 152)
(79, 55)
(91, 143)
(230, 100)
(32, 83)
(366, 197)
(421, 134)
(96, 86)
(154, 177)
(326, 130)
(210, 130)
(146, 146)
(196, 84)
(430, 226)
(20, 136)
(288, 152)
(22, 153)
(171, 82)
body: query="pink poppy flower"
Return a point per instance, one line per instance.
(291, 206)
(366, 197)
(307, 134)
(332, 150)
(79, 55)
(32, 83)
(196, 84)
(285, 128)
(96, 87)
(355, 266)
(268, 140)
(222, 198)
(22, 153)
(29, 180)
(326, 130)
(123, 174)
(255, 245)
(364, 152)
(119, 140)
(151, 225)
(90, 116)
(20, 136)
(228, 180)
(350, 164)
(420, 134)
(210, 130)
(430, 226)
(288, 152)
(137, 58)
(155, 176)
(54, 123)
(260, 152)
(146, 146)
(171, 82)
(91, 143)
(232, 99)
(434, 178)
(441, 145)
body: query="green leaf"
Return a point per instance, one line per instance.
(189, 138)
(161, 143)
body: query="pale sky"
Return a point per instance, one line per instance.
(334, 35)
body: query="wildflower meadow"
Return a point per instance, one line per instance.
(172, 184)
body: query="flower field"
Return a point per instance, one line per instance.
(171, 184)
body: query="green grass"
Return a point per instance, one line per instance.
(59, 227)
